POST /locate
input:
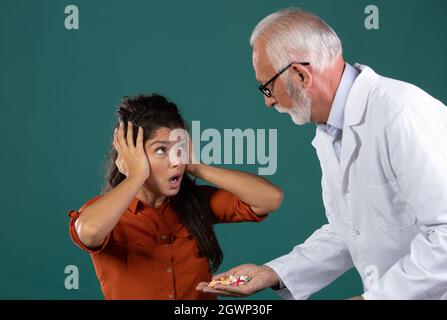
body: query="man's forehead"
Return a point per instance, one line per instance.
(255, 57)
(259, 51)
(262, 66)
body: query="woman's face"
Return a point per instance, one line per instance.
(166, 167)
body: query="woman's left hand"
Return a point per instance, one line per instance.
(193, 169)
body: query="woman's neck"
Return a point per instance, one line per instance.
(150, 198)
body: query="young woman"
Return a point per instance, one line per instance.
(150, 234)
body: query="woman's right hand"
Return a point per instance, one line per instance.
(132, 160)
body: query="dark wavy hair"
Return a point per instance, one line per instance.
(152, 112)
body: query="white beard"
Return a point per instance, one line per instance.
(301, 105)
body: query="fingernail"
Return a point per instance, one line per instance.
(129, 123)
(121, 123)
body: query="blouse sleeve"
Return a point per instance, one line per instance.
(74, 235)
(227, 207)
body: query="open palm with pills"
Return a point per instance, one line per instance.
(260, 277)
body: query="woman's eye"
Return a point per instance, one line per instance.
(160, 150)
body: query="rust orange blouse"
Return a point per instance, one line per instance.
(151, 255)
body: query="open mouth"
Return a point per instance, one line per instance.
(174, 179)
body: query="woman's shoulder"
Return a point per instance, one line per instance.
(213, 193)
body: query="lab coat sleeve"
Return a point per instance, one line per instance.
(417, 146)
(310, 266)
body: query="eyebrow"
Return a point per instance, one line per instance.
(162, 142)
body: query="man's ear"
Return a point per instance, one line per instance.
(303, 75)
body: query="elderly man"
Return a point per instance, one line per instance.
(382, 147)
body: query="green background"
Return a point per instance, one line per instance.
(59, 90)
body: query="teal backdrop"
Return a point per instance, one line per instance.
(59, 90)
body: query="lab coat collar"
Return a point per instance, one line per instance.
(358, 96)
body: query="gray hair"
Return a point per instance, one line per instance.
(293, 35)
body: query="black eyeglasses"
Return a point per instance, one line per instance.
(263, 87)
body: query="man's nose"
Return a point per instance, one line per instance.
(269, 101)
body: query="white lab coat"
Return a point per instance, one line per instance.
(385, 201)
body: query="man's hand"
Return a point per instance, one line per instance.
(262, 277)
